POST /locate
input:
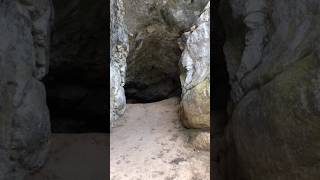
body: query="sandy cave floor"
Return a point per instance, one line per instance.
(75, 157)
(147, 143)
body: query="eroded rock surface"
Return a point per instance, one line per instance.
(154, 27)
(119, 51)
(195, 73)
(272, 53)
(24, 116)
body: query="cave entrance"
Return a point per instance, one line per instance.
(76, 84)
(166, 89)
(152, 68)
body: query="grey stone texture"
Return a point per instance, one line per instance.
(272, 52)
(195, 73)
(119, 49)
(24, 116)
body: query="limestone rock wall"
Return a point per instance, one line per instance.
(24, 116)
(119, 49)
(272, 52)
(195, 76)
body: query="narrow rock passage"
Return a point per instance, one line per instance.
(149, 142)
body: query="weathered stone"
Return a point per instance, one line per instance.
(195, 74)
(275, 76)
(200, 140)
(119, 51)
(195, 106)
(24, 116)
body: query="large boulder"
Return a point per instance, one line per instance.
(272, 52)
(154, 26)
(24, 116)
(195, 73)
(119, 50)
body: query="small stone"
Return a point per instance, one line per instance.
(201, 140)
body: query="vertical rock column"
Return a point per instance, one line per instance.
(119, 51)
(195, 78)
(272, 52)
(24, 116)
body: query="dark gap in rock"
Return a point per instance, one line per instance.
(77, 83)
(152, 93)
(153, 70)
(221, 90)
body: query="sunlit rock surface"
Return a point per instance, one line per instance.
(119, 50)
(195, 73)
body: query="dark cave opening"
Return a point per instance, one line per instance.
(156, 95)
(221, 91)
(76, 105)
(76, 84)
(151, 78)
(221, 87)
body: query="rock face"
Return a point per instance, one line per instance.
(195, 73)
(272, 52)
(154, 26)
(119, 51)
(24, 116)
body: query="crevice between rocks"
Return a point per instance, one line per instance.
(221, 93)
(76, 84)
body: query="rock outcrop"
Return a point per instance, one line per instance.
(119, 49)
(272, 52)
(195, 80)
(154, 26)
(24, 116)
(195, 73)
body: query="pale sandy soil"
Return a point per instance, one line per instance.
(76, 157)
(148, 143)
